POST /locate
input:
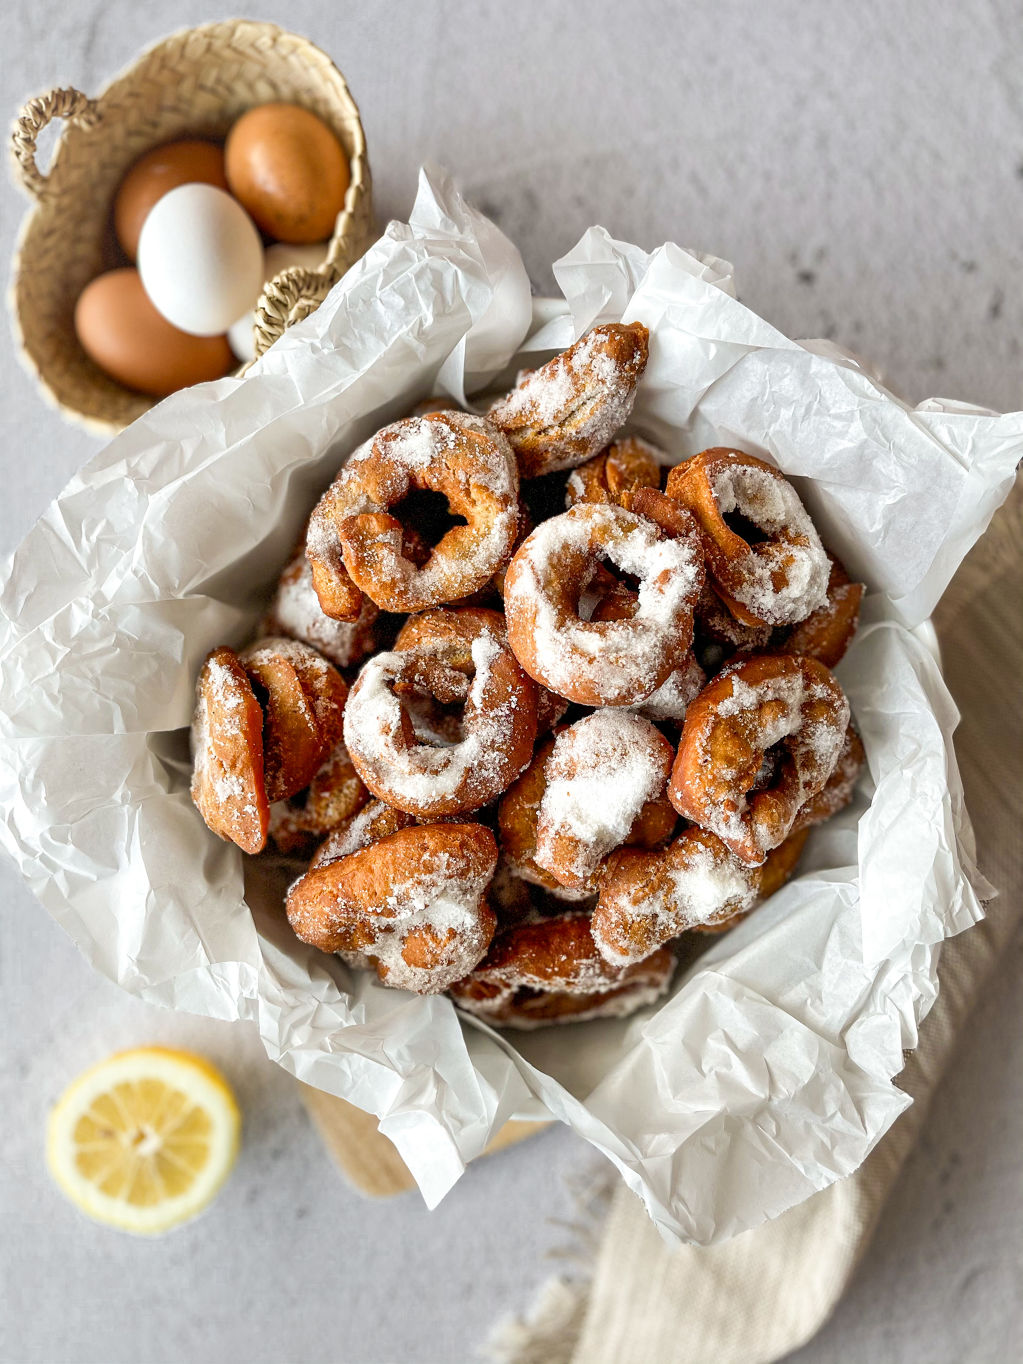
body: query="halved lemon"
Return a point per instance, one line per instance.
(144, 1140)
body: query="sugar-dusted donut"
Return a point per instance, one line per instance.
(628, 463)
(264, 722)
(518, 812)
(331, 799)
(563, 413)
(355, 543)
(518, 816)
(295, 611)
(227, 752)
(603, 773)
(764, 555)
(303, 700)
(413, 901)
(550, 971)
(838, 790)
(601, 663)
(454, 657)
(781, 713)
(368, 825)
(647, 898)
(669, 703)
(827, 632)
(695, 884)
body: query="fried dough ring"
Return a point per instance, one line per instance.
(839, 789)
(465, 659)
(606, 774)
(264, 722)
(518, 816)
(551, 972)
(695, 884)
(334, 795)
(355, 545)
(628, 463)
(777, 576)
(366, 826)
(563, 413)
(601, 663)
(227, 747)
(295, 611)
(414, 902)
(827, 632)
(303, 699)
(672, 699)
(769, 703)
(669, 703)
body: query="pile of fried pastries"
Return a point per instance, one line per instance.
(532, 708)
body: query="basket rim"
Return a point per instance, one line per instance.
(359, 185)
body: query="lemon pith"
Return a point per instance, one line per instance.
(144, 1140)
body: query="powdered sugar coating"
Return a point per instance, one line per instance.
(669, 703)
(749, 709)
(786, 577)
(506, 1008)
(373, 822)
(332, 797)
(566, 411)
(600, 774)
(227, 750)
(296, 612)
(517, 817)
(649, 898)
(439, 906)
(615, 662)
(550, 971)
(426, 780)
(455, 453)
(413, 902)
(839, 789)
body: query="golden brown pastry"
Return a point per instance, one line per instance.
(563, 413)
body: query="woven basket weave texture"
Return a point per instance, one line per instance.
(194, 83)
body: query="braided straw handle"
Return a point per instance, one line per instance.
(288, 298)
(37, 113)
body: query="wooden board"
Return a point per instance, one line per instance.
(367, 1159)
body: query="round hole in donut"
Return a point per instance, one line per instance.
(437, 724)
(747, 530)
(770, 768)
(428, 514)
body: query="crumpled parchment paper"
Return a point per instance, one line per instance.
(768, 1072)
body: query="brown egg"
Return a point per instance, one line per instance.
(123, 333)
(191, 161)
(289, 170)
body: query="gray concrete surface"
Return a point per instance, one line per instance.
(863, 167)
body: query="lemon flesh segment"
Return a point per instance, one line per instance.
(144, 1140)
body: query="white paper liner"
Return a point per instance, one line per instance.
(767, 1074)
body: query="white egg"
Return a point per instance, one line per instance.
(240, 338)
(201, 259)
(280, 256)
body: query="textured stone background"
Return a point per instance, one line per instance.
(863, 167)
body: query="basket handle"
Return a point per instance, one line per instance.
(37, 113)
(288, 298)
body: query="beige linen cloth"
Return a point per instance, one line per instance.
(763, 1294)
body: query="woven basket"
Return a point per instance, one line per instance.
(194, 83)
